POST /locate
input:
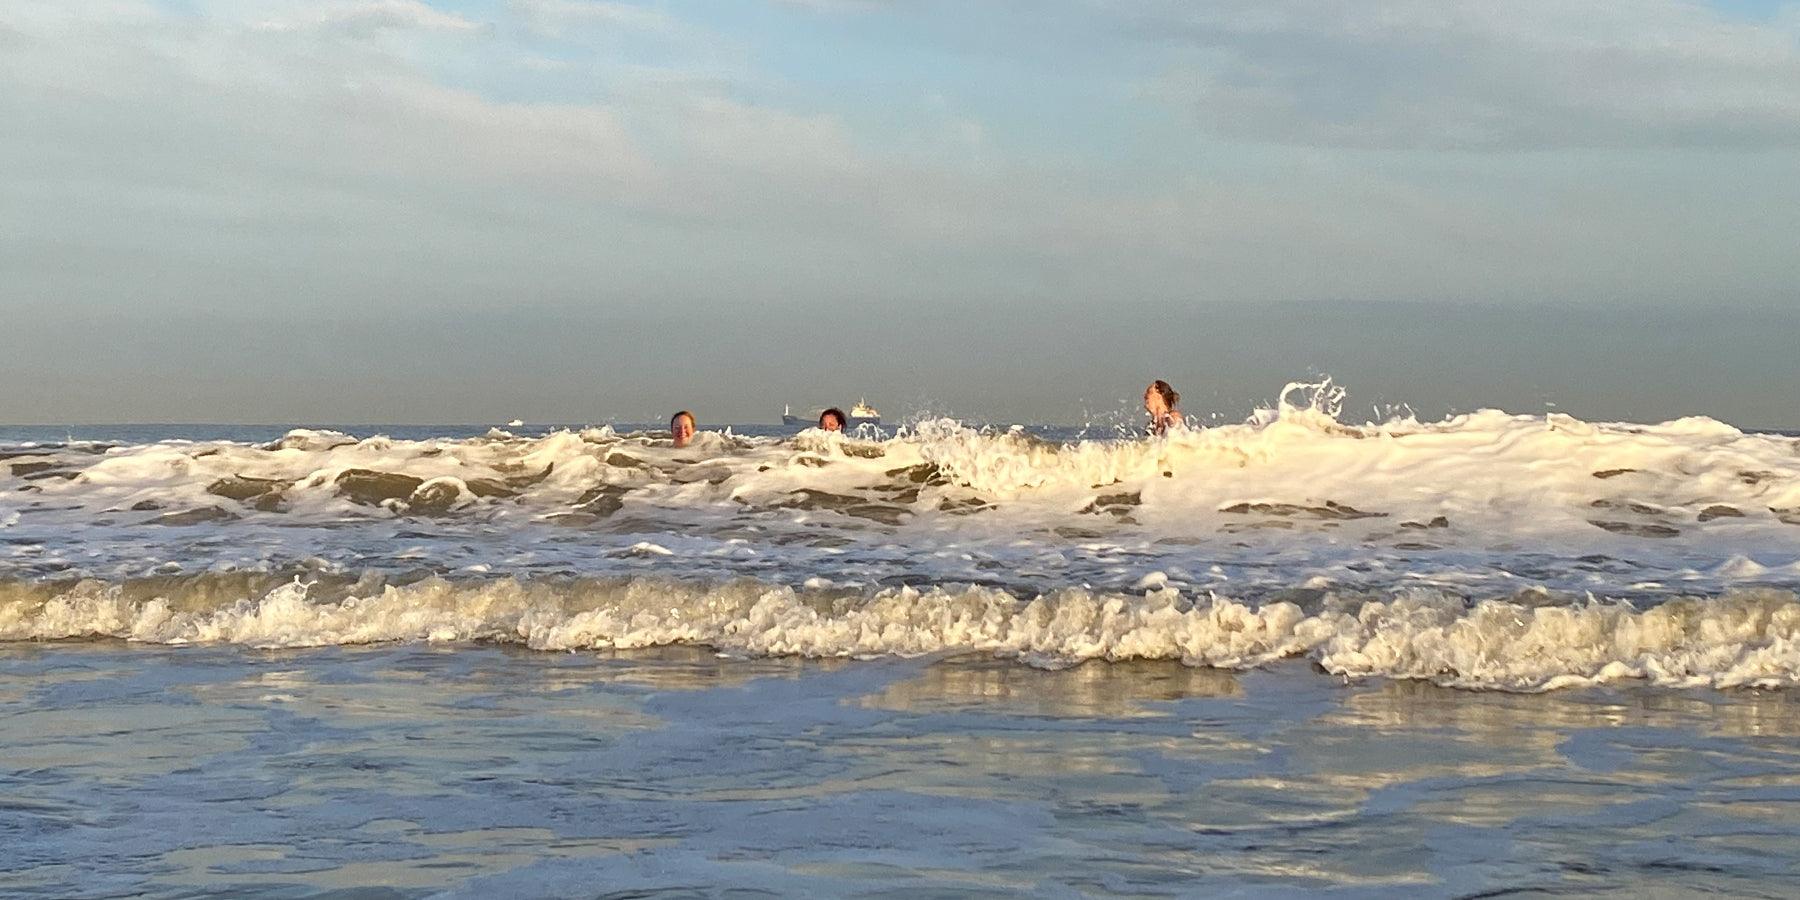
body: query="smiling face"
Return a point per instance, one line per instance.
(682, 427)
(830, 422)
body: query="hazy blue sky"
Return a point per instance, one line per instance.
(470, 210)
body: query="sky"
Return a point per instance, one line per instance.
(466, 211)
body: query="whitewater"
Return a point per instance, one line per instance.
(1485, 654)
(1487, 551)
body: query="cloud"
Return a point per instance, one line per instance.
(1472, 74)
(175, 108)
(649, 174)
(838, 6)
(213, 149)
(366, 17)
(557, 17)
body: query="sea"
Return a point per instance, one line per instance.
(1492, 654)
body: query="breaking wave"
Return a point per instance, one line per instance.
(1486, 550)
(1528, 642)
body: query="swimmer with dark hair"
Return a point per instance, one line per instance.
(681, 426)
(1159, 402)
(832, 420)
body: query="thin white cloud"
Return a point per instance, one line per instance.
(558, 17)
(837, 6)
(1529, 74)
(368, 17)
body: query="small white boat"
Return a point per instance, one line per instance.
(860, 414)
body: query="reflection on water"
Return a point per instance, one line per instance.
(1406, 705)
(1091, 690)
(489, 771)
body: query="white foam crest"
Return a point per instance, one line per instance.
(1297, 453)
(1318, 404)
(1749, 638)
(1746, 638)
(1484, 497)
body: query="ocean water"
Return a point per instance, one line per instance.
(1494, 652)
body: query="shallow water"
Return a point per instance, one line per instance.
(1483, 551)
(1489, 654)
(485, 771)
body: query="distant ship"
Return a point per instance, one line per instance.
(860, 414)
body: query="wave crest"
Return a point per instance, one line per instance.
(1521, 643)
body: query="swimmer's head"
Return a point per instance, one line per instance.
(681, 425)
(833, 419)
(1160, 398)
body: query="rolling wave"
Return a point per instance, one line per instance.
(1402, 548)
(1528, 642)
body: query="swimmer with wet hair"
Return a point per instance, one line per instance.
(833, 420)
(681, 427)
(1159, 402)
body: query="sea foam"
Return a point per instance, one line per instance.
(1524, 643)
(1673, 549)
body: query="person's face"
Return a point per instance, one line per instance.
(831, 423)
(1153, 402)
(683, 428)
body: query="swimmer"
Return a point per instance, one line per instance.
(681, 426)
(832, 420)
(1159, 402)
